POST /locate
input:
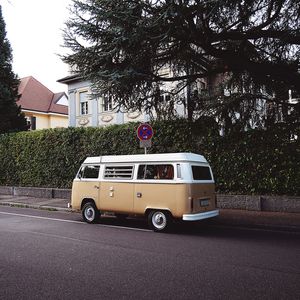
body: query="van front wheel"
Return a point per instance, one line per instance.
(159, 220)
(90, 213)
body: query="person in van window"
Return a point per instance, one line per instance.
(151, 172)
(165, 172)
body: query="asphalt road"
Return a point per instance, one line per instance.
(54, 255)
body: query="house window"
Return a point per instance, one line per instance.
(31, 122)
(107, 103)
(84, 105)
(165, 98)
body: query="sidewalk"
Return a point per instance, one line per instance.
(38, 203)
(227, 217)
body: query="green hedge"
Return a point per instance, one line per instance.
(254, 162)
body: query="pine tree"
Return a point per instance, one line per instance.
(11, 117)
(124, 47)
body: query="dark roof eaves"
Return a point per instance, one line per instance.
(34, 110)
(58, 113)
(70, 78)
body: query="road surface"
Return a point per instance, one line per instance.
(54, 255)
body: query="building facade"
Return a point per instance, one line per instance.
(84, 111)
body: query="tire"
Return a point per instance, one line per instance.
(160, 220)
(90, 213)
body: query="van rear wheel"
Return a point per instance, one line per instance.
(159, 220)
(90, 213)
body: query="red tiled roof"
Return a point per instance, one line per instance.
(35, 96)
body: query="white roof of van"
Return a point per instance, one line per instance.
(163, 157)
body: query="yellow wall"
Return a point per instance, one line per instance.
(46, 121)
(42, 121)
(58, 121)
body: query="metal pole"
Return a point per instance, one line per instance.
(145, 150)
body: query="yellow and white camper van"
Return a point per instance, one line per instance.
(161, 187)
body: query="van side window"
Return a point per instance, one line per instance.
(155, 172)
(118, 172)
(201, 173)
(89, 172)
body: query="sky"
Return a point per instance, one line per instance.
(34, 30)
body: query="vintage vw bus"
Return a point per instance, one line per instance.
(161, 187)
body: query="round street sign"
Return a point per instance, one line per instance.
(145, 132)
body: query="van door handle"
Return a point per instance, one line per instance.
(96, 187)
(139, 195)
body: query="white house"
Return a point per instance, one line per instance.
(84, 111)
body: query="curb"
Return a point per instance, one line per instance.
(287, 228)
(41, 207)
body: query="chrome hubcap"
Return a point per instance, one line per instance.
(159, 220)
(89, 213)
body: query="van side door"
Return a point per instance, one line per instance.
(117, 188)
(155, 188)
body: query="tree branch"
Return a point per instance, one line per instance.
(288, 36)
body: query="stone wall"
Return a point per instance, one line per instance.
(36, 192)
(244, 202)
(260, 203)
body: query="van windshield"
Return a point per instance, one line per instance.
(89, 172)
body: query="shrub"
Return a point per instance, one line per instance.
(253, 162)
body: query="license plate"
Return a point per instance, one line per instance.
(204, 202)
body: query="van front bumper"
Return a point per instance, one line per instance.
(200, 216)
